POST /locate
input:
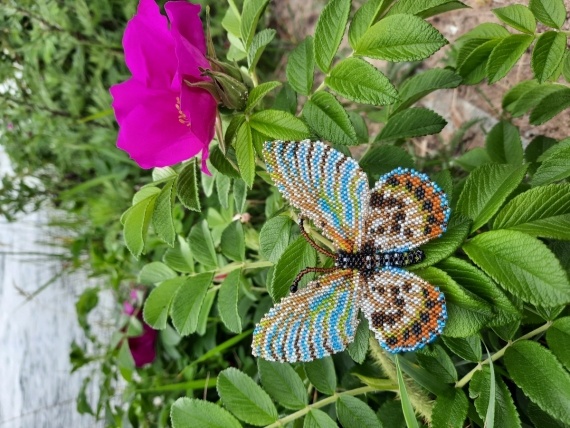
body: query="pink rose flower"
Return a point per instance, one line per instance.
(162, 120)
(143, 347)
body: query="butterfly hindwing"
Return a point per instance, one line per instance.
(406, 210)
(326, 186)
(404, 311)
(315, 322)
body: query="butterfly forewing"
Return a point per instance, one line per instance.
(326, 186)
(404, 311)
(406, 210)
(317, 321)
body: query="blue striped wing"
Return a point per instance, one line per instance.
(326, 186)
(315, 322)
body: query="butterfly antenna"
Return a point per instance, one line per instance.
(295, 286)
(312, 243)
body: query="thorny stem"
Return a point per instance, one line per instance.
(465, 379)
(326, 401)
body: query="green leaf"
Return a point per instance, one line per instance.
(400, 38)
(407, 409)
(301, 67)
(359, 347)
(283, 384)
(359, 126)
(327, 117)
(202, 245)
(318, 419)
(205, 309)
(358, 80)
(476, 282)
(155, 272)
(162, 220)
(322, 375)
(329, 31)
(505, 414)
(504, 144)
(245, 399)
(549, 12)
(505, 55)
(245, 153)
(555, 167)
(541, 211)
(510, 258)
(548, 387)
(220, 161)
(548, 54)
(486, 189)
(517, 16)
(188, 301)
(179, 258)
(473, 159)
(532, 98)
(223, 184)
(286, 100)
(412, 122)
(187, 187)
(566, 66)
(364, 18)
(550, 106)
(297, 256)
(232, 129)
(425, 83)
(558, 339)
(274, 237)
(255, 96)
(382, 158)
(157, 304)
(252, 10)
(193, 413)
(485, 31)
(279, 125)
(240, 195)
(258, 44)
(424, 378)
(490, 415)
(516, 92)
(228, 301)
(425, 8)
(233, 242)
(468, 348)
(442, 248)
(450, 410)
(125, 361)
(355, 413)
(474, 68)
(467, 313)
(437, 362)
(136, 222)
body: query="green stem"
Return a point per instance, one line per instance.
(324, 402)
(465, 379)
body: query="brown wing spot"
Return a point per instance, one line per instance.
(396, 227)
(428, 205)
(430, 304)
(376, 200)
(393, 181)
(395, 291)
(424, 317)
(408, 232)
(399, 301)
(416, 328)
(420, 192)
(407, 287)
(378, 319)
(400, 216)
(427, 230)
(392, 340)
(409, 185)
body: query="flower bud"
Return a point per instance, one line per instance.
(231, 92)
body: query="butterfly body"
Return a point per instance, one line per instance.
(375, 232)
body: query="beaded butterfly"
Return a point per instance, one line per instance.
(375, 233)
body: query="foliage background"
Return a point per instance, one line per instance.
(61, 131)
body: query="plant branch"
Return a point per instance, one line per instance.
(326, 401)
(465, 379)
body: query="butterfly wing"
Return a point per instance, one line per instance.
(326, 186)
(404, 311)
(406, 210)
(317, 321)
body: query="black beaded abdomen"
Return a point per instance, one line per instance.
(370, 260)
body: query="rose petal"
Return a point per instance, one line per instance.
(149, 46)
(185, 22)
(152, 134)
